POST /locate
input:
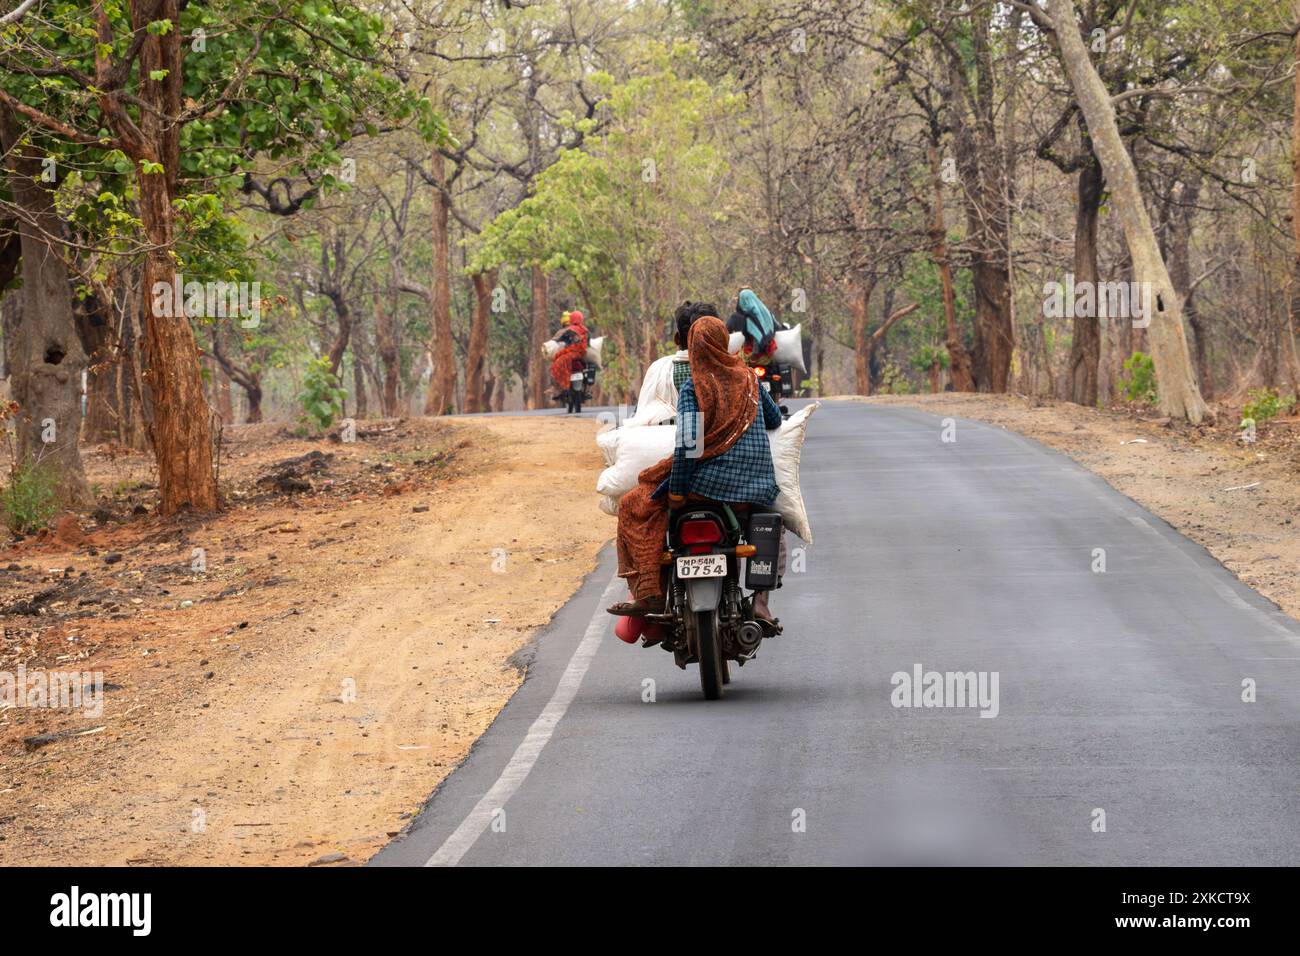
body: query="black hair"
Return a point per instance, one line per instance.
(686, 315)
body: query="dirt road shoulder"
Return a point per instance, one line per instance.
(297, 700)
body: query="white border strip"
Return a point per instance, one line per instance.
(539, 734)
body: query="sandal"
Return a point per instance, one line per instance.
(637, 608)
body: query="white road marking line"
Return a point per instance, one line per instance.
(526, 754)
(1221, 588)
(1139, 522)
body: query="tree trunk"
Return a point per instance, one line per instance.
(386, 345)
(1179, 252)
(1085, 350)
(360, 404)
(1179, 396)
(878, 336)
(103, 369)
(247, 377)
(253, 393)
(538, 373)
(134, 403)
(11, 317)
(995, 339)
(441, 397)
(863, 344)
(985, 198)
(476, 353)
(1294, 311)
(219, 391)
(1200, 345)
(959, 368)
(47, 355)
(181, 430)
(344, 334)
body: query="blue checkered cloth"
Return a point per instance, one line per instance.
(742, 474)
(681, 372)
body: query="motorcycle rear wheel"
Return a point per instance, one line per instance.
(712, 666)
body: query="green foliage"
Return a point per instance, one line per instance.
(894, 381)
(30, 499)
(812, 385)
(1265, 403)
(927, 356)
(609, 215)
(292, 81)
(1140, 384)
(321, 396)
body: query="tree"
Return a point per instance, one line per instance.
(476, 353)
(47, 358)
(1295, 177)
(642, 192)
(137, 87)
(1178, 393)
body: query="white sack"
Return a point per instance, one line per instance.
(789, 348)
(595, 347)
(657, 402)
(637, 449)
(787, 449)
(607, 442)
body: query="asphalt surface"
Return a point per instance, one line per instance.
(1119, 692)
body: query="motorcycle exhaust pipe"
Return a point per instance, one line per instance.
(749, 636)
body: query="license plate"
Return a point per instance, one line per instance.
(702, 566)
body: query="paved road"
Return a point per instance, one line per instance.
(1118, 691)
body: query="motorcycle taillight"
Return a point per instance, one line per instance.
(699, 532)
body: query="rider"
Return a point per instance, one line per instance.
(754, 320)
(722, 411)
(680, 371)
(573, 337)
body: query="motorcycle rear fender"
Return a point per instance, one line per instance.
(704, 594)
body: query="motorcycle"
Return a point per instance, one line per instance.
(779, 382)
(708, 620)
(581, 379)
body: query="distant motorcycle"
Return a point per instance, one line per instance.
(779, 382)
(581, 379)
(707, 618)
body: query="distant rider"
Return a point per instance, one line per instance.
(573, 337)
(755, 322)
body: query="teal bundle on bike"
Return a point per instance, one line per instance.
(754, 320)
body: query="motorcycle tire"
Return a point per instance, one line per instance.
(709, 643)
